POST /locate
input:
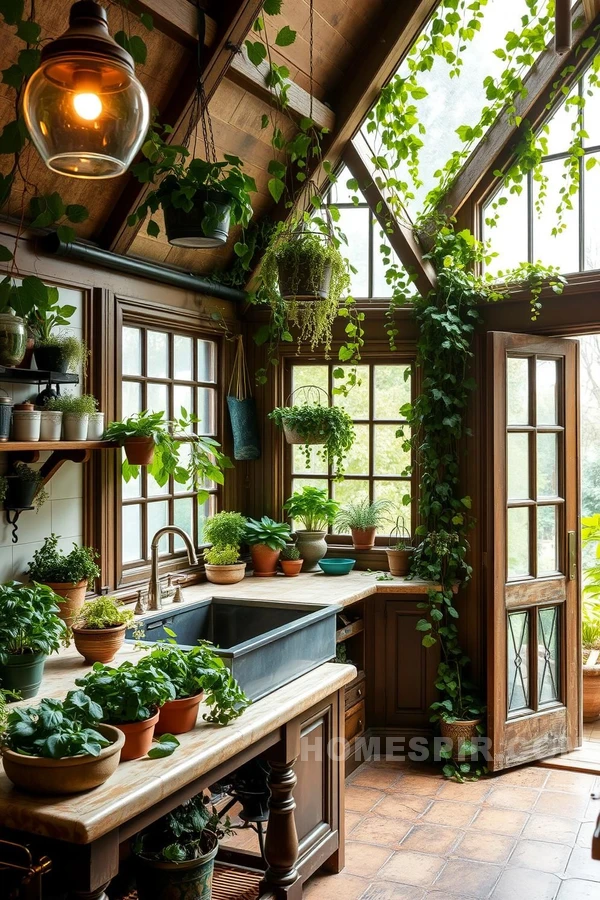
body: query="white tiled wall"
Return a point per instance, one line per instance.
(63, 512)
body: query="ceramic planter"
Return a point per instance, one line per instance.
(591, 693)
(291, 567)
(26, 425)
(185, 229)
(68, 775)
(95, 427)
(313, 547)
(5, 418)
(13, 340)
(225, 574)
(50, 425)
(23, 672)
(295, 282)
(73, 598)
(264, 560)
(363, 538)
(75, 427)
(50, 358)
(99, 644)
(138, 737)
(189, 880)
(19, 493)
(179, 716)
(292, 437)
(398, 561)
(459, 732)
(139, 450)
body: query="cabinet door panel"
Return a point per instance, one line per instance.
(409, 668)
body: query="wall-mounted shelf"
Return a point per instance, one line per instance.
(36, 376)
(28, 446)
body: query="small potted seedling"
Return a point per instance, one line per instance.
(362, 519)
(99, 629)
(76, 412)
(400, 550)
(290, 560)
(68, 574)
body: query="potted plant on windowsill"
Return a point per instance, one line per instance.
(130, 697)
(313, 509)
(23, 487)
(196, 674)
(222, 565)
(68, 574)
(225, 531)
(76, 414)
(362, 519)
(30, 630)
(400, 550)
(290, 561)
(312, 423)
(266, 539)
(99, 629)
(60, 747)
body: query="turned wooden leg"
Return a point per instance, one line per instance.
(98, 894)
(281, 841)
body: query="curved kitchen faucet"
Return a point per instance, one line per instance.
(154, 590)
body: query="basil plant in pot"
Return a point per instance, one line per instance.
(225, 531)
(30, 630)
(99, 629)
(313, 509)
(68, 574)
(267, 539)
(311, 423)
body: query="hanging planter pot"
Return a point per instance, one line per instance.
(304, 266)
(19, 493)
(205, 225)
(139, 450)
(242, 409)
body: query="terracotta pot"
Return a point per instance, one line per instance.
(188, 880)
(291, 567)
(591, 693)
(225, 574)
(312, 547)
(179, 716)
(68, 775)
(363, 538)
(139, 451)
(264, 560)
(99, 644)
(74, 598)
(399, 561)
(292, 437)
(138, 737)
(459, 732)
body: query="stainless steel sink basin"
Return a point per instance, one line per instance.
(265, 643)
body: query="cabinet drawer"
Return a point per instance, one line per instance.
(355, 720)
(355, 693)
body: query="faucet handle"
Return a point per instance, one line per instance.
(178, 595)
(142, 603)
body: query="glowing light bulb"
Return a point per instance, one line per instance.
(88, 106)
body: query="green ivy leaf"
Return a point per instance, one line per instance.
(164, 746)
(276, 188)
(13, 76)
(12, 11)
(257, 52)
(272, 7)
(147, 21)
(29, 60)
(28, 31)
(76, 212)
(285, 36)
(153, 228)
(13, 137)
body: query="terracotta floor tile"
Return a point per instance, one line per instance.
(334, 887)
(572, 782)
(380, 777)
(581, 865)
(484, 846)
(541, 855)
(376, 829)
(352, 818)
(471, 791)
(363, 859)
(577, 889)
(361, 799)
(431, 839)
(530, 776)
(387, 890)
(512, 797)
(525, 884)
(592, 810)
(553, 803)
(584, 836)
(450, 812)
(502, 821)
(400, 806)
(422, 785)
(408, 867)
(467, 878)
(552, 828)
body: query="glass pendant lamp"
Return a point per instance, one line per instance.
(86, 112)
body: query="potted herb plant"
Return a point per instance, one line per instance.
(76, 414)
(590, 628)
(266, 539)
(30, 630)
(68, 574)
(460, 713)
(175, 855)
(313, 509)
(130, 697)
(400, 550)
(196, 674)
(312, 423)
(223, 566)
(24, 487)
(60, 747)
(99, 629)
(225, 529)
(362, 519)
(290, 561)
(46, 315)
(60, 353)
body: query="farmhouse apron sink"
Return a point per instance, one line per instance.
(264, 643)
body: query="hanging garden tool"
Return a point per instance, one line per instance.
(242, 409)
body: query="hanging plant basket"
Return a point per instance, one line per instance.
(305, 266)
(311, 395)
(205, 225)
(242, 409)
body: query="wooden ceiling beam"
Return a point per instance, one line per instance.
(176, 18)
(591, 9)
(400, 234)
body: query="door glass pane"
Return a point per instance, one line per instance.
(390, 458)
(548, 649)
(546, 390)
(519, 564)
(158, 515)
(547, 465)
(132, 533)
(391, 390)
(518, 661)
(518, 466)
(182, 357)
(547, 540)
(132, 351)
(182, 514)
(157, 364)
(357, 460)
(206, 361)
(517, 391)
(131, 398)
(356, 403)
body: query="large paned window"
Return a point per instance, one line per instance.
(376, 467)
(165, 371)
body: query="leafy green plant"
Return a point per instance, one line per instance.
(187, 832)
(73, 351)
(29, 621)
(128, 693)
(290, 552)
(274, 535)
(48, 315)
(222, 556)
(225, 529)
(68, 404)
(361, 514)
(331, 424)
(590, 626)
(49, 564)
(312, 507)
(25, 473)
(103, 612)
(55, 729)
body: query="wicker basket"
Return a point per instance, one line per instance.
(459, 732)
(292, 437)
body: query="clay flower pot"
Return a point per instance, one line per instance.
(291, 567)
(225, 574)
(138, 737)
(363, 538)
(23, 673)
(459, 732)
(139, 451)
(68, 775)
(591, 693)
(99, 644)
(73, 595)
(264, 560)
(179, 716)
(398, 561)
(312, 547)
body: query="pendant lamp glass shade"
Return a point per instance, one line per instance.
(86, 112)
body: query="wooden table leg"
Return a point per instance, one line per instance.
(281, 841)
(97, 894)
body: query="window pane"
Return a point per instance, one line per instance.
(158, 516)
(518, 466)
(355, 224)
(158, 398)
(182, 357)
(131, 398)
(391, 391)
(560, 131)
(157, 363)
(207, 361)
(184, 458)
(394, 491)
(357, 460)
(390, 458)
(350, 491)
(509, 234)
(315, 464)
(380, 286)
(183, 511)
(517, 390)
(591, 116)
(356, 403)
(206, 411)
(546, 390)
(548, 650)
(562, 249)
(132, 488)
(205, 511)
(131, 518)
(591, 205)
(547, 540)
(302, 376)
(340, 192)
(132, 351)
(518, 661)
(182, 397)
(547, 465)
(518, 542)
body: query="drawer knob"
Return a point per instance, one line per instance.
(359, 692)
(360, 723)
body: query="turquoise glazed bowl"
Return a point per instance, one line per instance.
(337, 566)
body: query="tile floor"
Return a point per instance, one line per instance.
(522, 835)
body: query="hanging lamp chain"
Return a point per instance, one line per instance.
(311, 19)
(199, 112)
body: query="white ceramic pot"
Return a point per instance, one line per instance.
(26, 425)
(75, 428)
(95, 427)
(51, 425)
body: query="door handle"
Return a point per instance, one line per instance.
(572, 544)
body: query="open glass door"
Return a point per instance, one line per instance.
(533, 546)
